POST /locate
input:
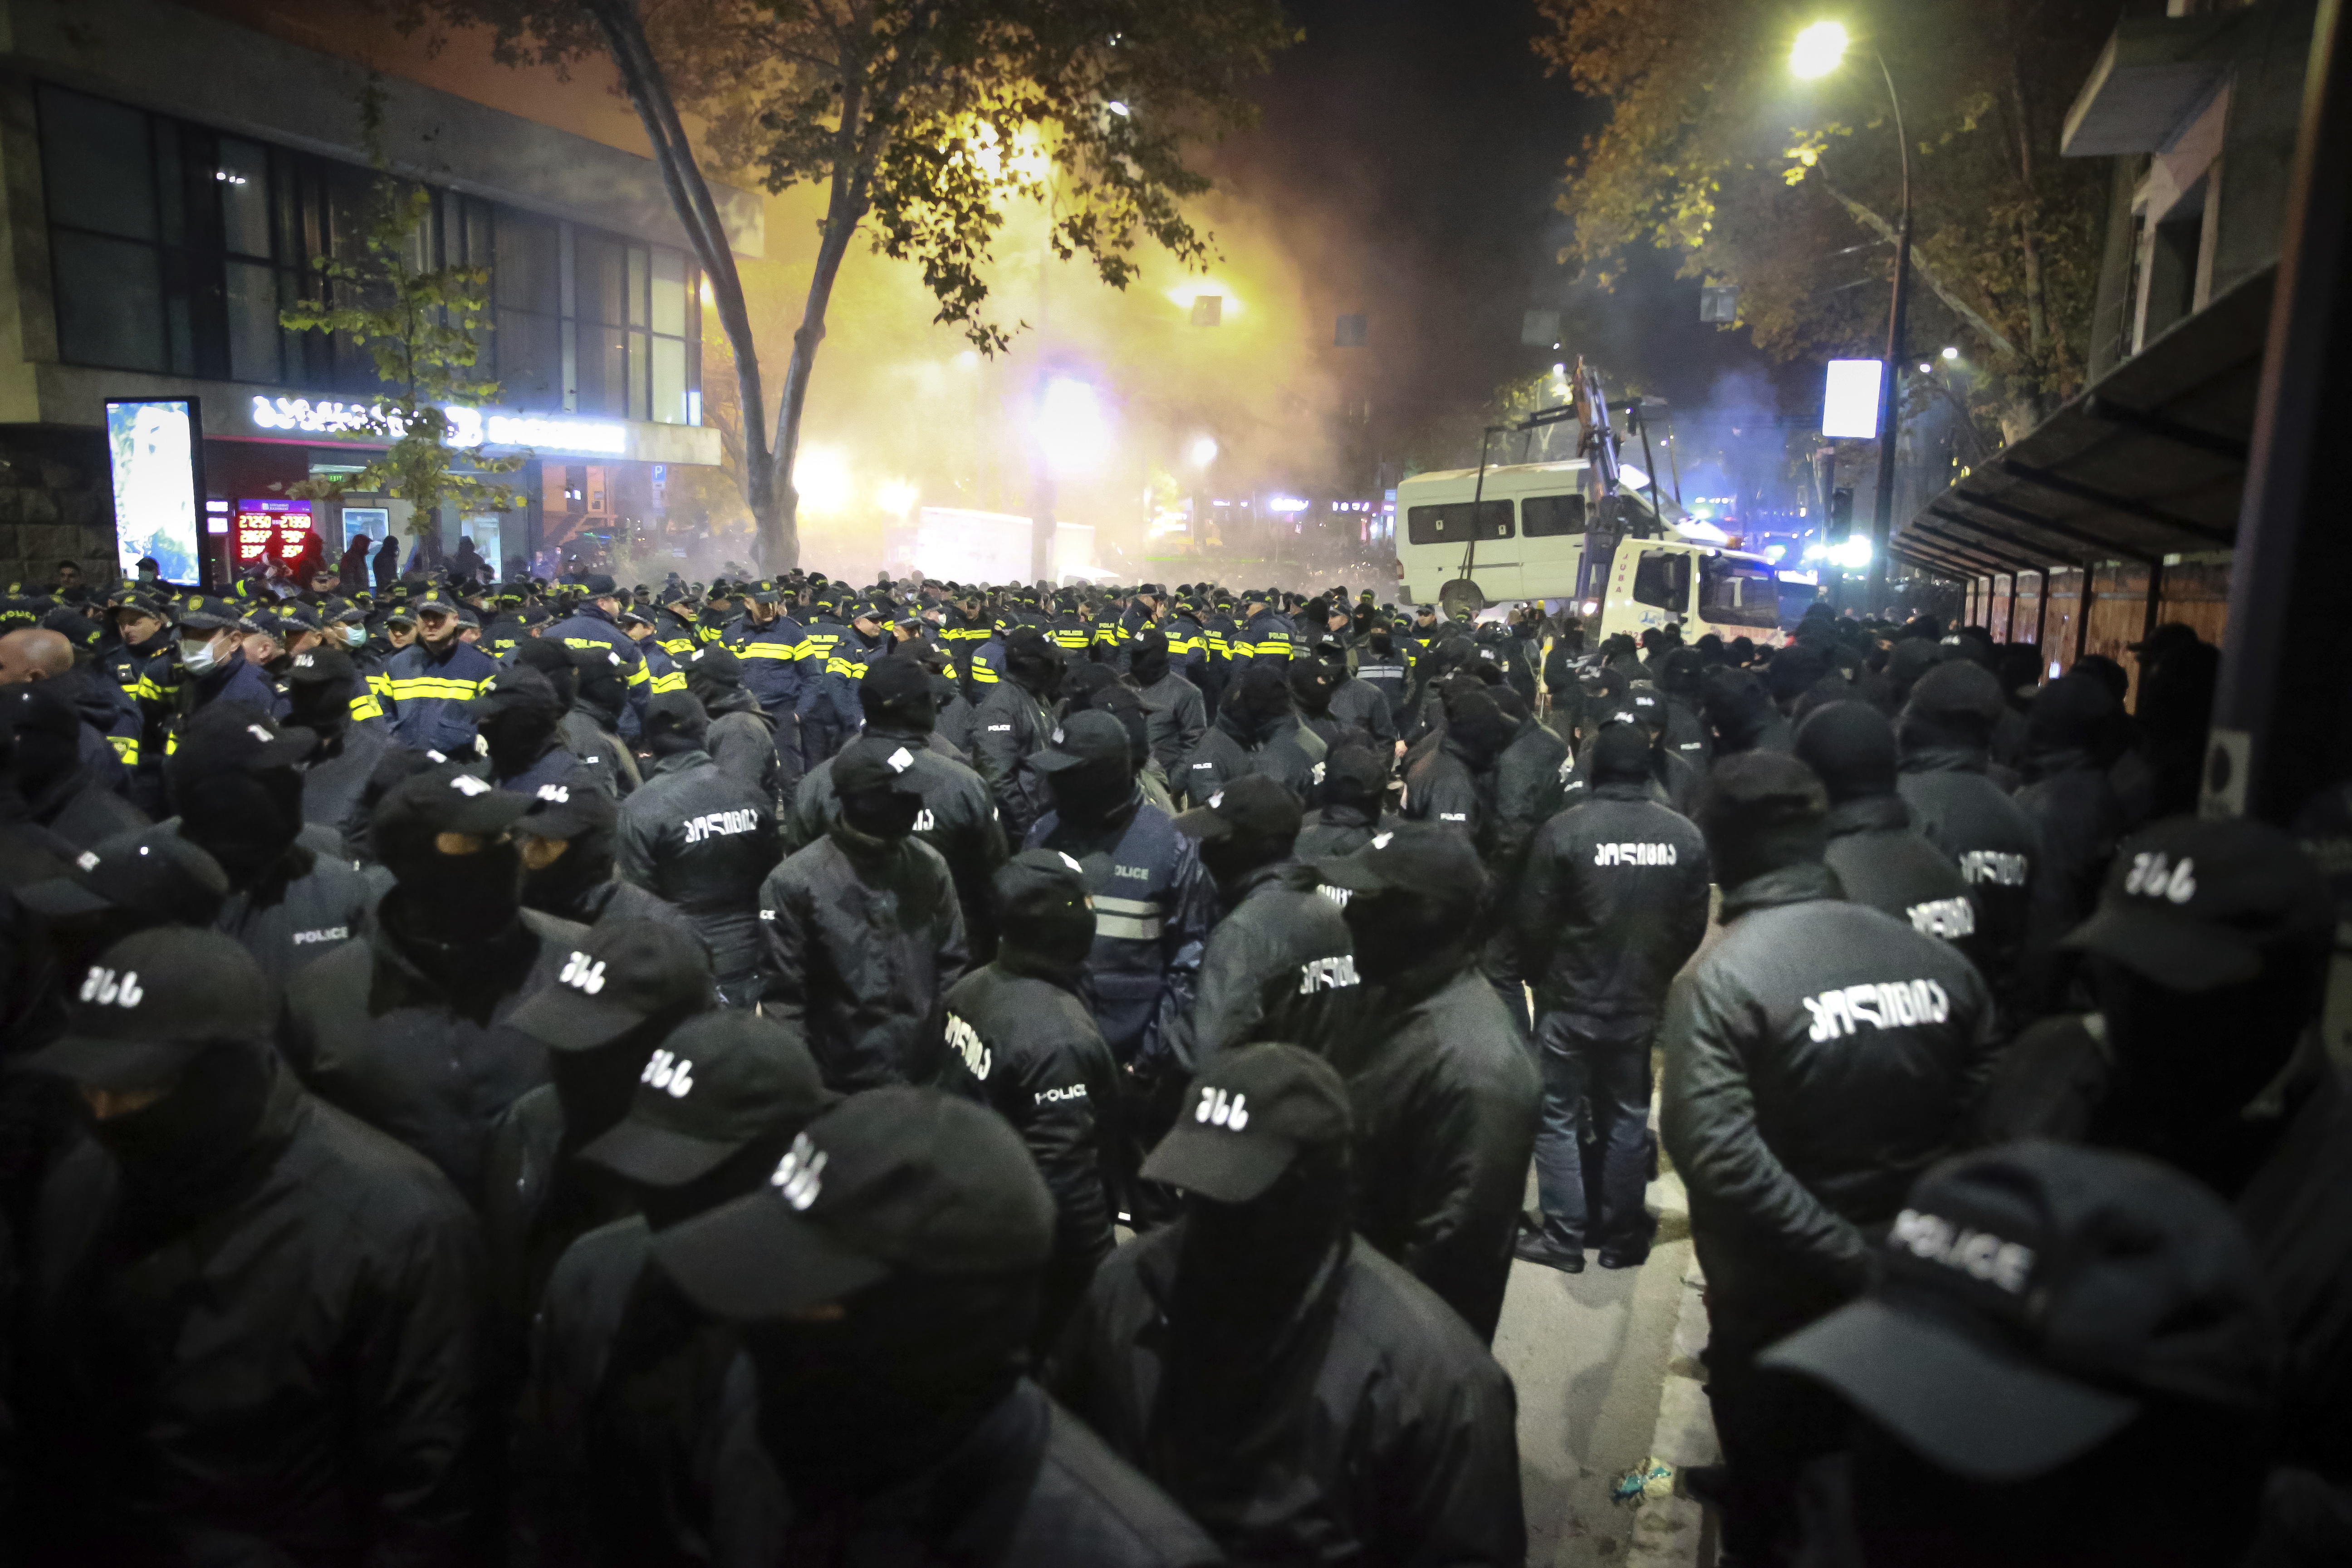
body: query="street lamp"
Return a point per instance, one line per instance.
(1818, 51)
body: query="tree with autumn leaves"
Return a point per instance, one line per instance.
(922, 122)
(1790, 190)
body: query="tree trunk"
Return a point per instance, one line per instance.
(690, 196)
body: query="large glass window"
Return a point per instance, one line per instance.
(1738, 593)
(1450, 523)
(1662, 578)
(173, 248)
(1549, 517)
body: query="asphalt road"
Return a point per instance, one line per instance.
(1606, 1366)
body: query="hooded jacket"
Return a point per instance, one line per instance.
(374, 1031)
(702, 840)
(304, 906)
(1018, 1037)
(310, 1351)
(864, 936)
(1445, 1101)
(1444, 783)
(1819, 1058)
(1276, 745)
(1880, 860)
(743, 742)
(1009, 728)
(589, 629)
(959, 819)
(1337, 829)
(1613, 903)
(1179, 716)
(1410, 1453)
(1280, 946)
(1988, 835)
(1154, 904)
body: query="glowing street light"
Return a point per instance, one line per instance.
(1205, 451)
(1818, 51)
(1951, 352)
(1116, 107)
(1072, 430)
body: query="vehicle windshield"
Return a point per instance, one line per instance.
(1738, 593)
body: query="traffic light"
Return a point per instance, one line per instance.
(1840, 519)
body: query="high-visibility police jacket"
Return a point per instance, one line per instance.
(589, 626)
(425, 697)
(774, 657)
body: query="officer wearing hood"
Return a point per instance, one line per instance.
(1180, 714)
(1300, 1394)
(236, 783)
(567, 842)
(2073, 732)
(1257, 730)
(626, 986)
(324, 692)
(628, 1382)
(406, 1026)
(1945, 729)
(1443, 1095)
(1280, 947)
(1355, 782)
(1819, 1058)
(1153, 902)
(958, 816)
(1878, 858)
(702, 840)
(2208, 958)
(1452, 782)
(1019, 1039)
(610, 763)
(1010, 726)
(1613, 903)
(249, 1319)
(742, 739)
(519, 718)
(1740, 711)
(862, 928)
(49, 772)
(885, 1288)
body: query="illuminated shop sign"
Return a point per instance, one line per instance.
(270, 529)
(468, 428)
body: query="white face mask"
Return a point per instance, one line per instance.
(198, 657)
(355, 634)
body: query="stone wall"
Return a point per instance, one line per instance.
(56, 504)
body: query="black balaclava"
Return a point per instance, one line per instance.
(247, 821)
(1249, 1317)
(586, 864)
(1477, 727)
(675, 724)
(1147, 660)
(1680, 674)
(1234, 855)
(1382, 644)
(1311, 684)
(452, 899)
(189, 1155)
(881, 813)
(1952, 709)
(1764, 811)
(553, 664)
(895, 694)
(1620, 755)
(2187, 1063)
(1852, 746)
(46, 758)
(1738, 707)
(1095, 791)
(1353, 778)
(1256, 708)
(891, 1387)
(321, 707)
(2070, 724)
(1397, 933)
(520, 722)
(1034, 663)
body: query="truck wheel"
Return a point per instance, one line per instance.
(1461, 594)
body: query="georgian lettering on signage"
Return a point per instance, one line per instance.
(468, 427)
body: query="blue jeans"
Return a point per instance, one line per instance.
(1596, 1075)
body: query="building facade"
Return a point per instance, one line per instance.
(171, 181)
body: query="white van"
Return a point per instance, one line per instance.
(1530, 526)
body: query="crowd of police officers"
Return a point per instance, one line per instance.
(565, 1074)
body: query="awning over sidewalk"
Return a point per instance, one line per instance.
(2147, 463)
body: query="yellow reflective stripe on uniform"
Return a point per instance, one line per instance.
(380, 682)
(673, 681)
(125, 747)
(710, 634)
(982, 675)
(847, 668)
(781, 652)
(422, 688)
(364, 706)
(676, 647)
(637, 676)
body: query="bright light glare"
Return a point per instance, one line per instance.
(1632, 475)
(1286, 505)
(1853, 555)
(822, 475)
(897, 496)
(1072, 430)
(1850, 399)
(1926, 368)
(1592, 607)
(1951, 353)
(1773, 553)
(1116, 107)
(1205, 451)
(1184, 293)
(969, 359)
(1704, 532)
(1818, 51)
